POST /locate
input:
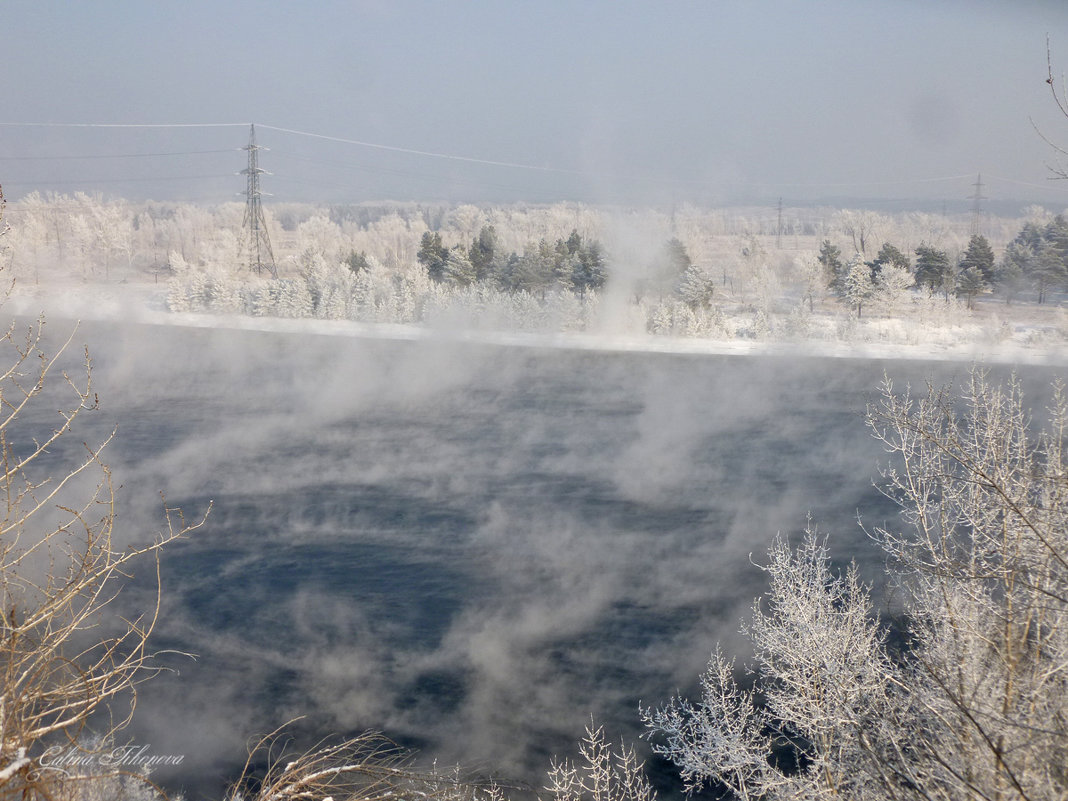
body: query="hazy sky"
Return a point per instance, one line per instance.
(657, 102)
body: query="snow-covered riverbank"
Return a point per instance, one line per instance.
(994, 333)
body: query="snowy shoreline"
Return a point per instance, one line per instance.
(146, 305)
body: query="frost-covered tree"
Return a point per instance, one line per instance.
(697, 287)
(292, 298)
(356, 261)
(970, 283)
(830, 258)
(483, 253)
(432, 255)
(589, 270)
(374, 292)
(892, 287)
(27, 244)
(979, 256)
(1038, 256)
(318, 277)
(668, 269)
(859, 226)
(1047, 270)
(889, 256)
(1011, 272)
(528, 272)
(319, 234)
(810, 274)
(972, 701)
(458, 269)
(932, 267)
(821, 668)
(264, 298)
(856, 284)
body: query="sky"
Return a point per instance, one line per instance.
(710, 102)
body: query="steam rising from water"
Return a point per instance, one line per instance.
(470, 548)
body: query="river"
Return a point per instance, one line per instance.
(471, 548)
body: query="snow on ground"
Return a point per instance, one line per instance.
(995, 333)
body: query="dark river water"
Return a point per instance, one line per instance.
(472, 549)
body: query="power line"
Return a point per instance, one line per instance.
(367, 168)
(1051, 185)
(119, 155)
(897, 182)
(425, 153)
(142, 179)
(630, 175)
(489, 162)
(633, 175)
(124, 124)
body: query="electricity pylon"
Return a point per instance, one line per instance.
(260, 255)
(977, 206)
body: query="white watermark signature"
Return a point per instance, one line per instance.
(137, 758)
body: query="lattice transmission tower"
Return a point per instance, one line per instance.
(258, 242)
(977, 206)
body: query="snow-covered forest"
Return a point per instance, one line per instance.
(960, 693)
(763, 274)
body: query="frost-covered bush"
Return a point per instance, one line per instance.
(796, 325)
(69, 662)
(972, 699)
(482, 307)
(672, 317)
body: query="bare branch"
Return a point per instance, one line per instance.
(59, 575)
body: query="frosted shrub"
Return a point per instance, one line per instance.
(661, 319)
(263, 299)
(292, 298)
(178, 296)
(373, 292)
(567, 312)
(847, 328)
(523, 311)
(675, 318)
(69, 662)
(335, 302)
(409, 309)
(200, 290)
(976, 705)
(892, 290)
(763, 324)
(796, 324)
(224, 295)
(606, 773)
(591, 310)
(715, 322)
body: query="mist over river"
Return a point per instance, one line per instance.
(470, 548)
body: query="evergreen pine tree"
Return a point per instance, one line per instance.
(980, 256)
(831, 259)
(432, 255)
(483, 253)
(932, 267)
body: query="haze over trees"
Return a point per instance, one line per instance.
(737, 274)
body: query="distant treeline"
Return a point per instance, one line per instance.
(1036, 260)
(572, 264)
